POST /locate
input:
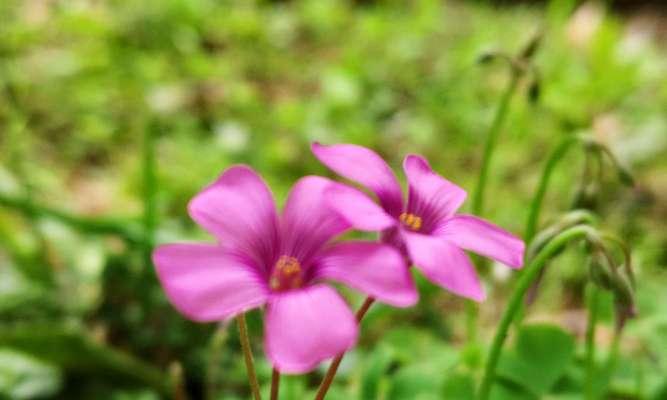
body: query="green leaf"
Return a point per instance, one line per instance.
(412, 383)
(25, 377)
(459, 386)
(376, 367)
(72, 349)
(541, 355)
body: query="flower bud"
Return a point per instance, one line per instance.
(531, 47)
(587, 196)
(599, 270)
(534, 91)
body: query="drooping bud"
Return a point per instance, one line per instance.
(568, 220)
(487, 57)
(531, 47)
(534, 90)
(599, 270)
(586, 196)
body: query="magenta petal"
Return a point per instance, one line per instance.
(306, 326)
(238, 209)
(308, 222)
(482, 237)
(375, 269)
(207, 284)
(358, 209)
(431, 196)
(365, 167)
(444, 264)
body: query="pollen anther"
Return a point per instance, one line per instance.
(411, 221)
(286, 274)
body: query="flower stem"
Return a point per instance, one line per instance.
(593, 296)
(275, 384)
(150, 190)
(525, 280)
(537, 201)
(471, 308)
(247, 355)
(333, 368)
(491, 141)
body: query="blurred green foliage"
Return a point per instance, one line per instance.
(223, 82)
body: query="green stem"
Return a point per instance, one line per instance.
(538, 199)
(333, 368)
(471, 308)
(275, 384)
(593, 300)
(525, 280)
(150, 191)
(213, 372)
(491, 141)
(247, 355)
(612, 358)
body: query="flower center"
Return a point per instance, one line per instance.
(411, 221)
(287, 274)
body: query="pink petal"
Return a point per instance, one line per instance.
(482, 237)
(365, 167)
(375, 269)
(238, 209)
(358, 209)
(207, 284)
(306, 326)
(444, 264)
(308, 222)
(431, 196)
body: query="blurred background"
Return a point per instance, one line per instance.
(113, 114)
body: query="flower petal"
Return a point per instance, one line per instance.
(431, 196)
(482, 237)
(365, 167)
(358, 209)
(375, 269)
(238, 209)
(308, 222)
(205, 283)
(444, 264)
(307, 326)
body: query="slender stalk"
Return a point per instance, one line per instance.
(247, 355)
(491, 141)
(593, 299)
(471, 308)
(525, 280)
(333, 368)
(149, 179)
(275, 384)
(213, 372)
(537, 201)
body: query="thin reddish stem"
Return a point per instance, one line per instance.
(275, 384)
(333, 368)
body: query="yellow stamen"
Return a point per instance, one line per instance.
(411, 221)
(286, 274)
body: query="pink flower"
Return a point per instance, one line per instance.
(426, 228)
(280, 262)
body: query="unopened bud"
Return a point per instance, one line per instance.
(587, 196)
(534, 91)
(624, 175)
(487, 57)
(531, 47)
(567, 221)
(600, 271)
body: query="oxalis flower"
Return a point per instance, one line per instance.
(426, 228)
(281, 262)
